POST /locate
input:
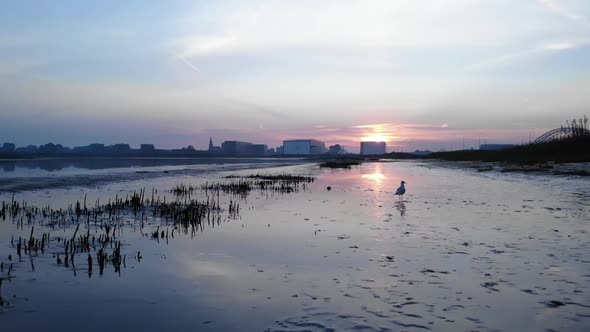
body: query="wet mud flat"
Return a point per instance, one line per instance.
(462, 251)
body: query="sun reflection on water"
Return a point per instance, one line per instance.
(377, 177)
(374, 178)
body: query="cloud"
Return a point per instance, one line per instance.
(188, 63)
(542, 50)
(553, 7)
(560, 46)
(350, 24)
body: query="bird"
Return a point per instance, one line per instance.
(401, 190)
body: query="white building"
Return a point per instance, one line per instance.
(303, 147)
(373, 148)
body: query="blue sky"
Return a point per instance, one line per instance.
(422, 74)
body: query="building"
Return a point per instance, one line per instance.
(119, 148)
(213, 148)
(373, 148)
(29, 149)
(237, 148)
(490, 147)
(95, 148)
(303, 147)
(51, 148)
(258, 150)
(8, 148)
(147, 148)
(234, 148)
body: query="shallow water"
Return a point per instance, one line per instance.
(463, 251)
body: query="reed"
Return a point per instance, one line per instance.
(92, 229)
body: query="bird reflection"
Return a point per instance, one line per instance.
(401, 207)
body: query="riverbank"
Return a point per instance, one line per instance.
(563, 151)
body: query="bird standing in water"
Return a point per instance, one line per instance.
(401, 190)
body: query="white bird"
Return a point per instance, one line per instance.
(401, 190)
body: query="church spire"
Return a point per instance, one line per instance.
(210, 143)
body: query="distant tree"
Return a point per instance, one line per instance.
(51, 148)
(335, 149)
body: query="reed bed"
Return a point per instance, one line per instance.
(92, 241)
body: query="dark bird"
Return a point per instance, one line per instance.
(401, 190)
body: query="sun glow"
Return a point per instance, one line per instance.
(375, 132)
(375, 138)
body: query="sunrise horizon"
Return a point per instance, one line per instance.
(417, 76)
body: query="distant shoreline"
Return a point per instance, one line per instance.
(576, 150)
(17, 157)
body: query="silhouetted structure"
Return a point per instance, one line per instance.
(30, 149)
(212, 148)
(119, 148)
(237, 148)
(373, 148)
(230, 148)
(8, 148)
(303, 147)
(51, 148)
(147, 148)
(559, 134)
(95, 148)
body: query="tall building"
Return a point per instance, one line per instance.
(237, 148)
(28, 149)
(95, 148)
(147, 148)
(303, 147)
(119, 148)
(373, 148)
(8, 148)
(258, 150)
(213, 148)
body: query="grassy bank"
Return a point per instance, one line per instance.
(570, 150)
(572, 146)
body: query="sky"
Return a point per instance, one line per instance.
(420, 74)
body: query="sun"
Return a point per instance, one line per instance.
(375, 138)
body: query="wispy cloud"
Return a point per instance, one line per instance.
(553, 7)
(561, 46)
(181, 58)
(511, 58)
(347, 24)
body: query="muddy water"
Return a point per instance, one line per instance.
(463, 251)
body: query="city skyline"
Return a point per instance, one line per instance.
(420, 75)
